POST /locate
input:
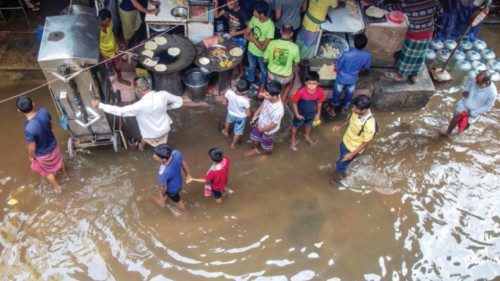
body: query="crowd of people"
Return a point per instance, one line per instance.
(277, 62)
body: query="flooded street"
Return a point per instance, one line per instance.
(419, 206)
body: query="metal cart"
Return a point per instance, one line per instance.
(69, 47)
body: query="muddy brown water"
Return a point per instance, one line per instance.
(418, 206)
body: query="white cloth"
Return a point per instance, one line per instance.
(271, 113)
(236, 104)
(479, 101)
(150, 112)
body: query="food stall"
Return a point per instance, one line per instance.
(385, 37)
(192, 18)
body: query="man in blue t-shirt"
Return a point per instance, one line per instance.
(170, 175)
(43, 152)
(348, 67)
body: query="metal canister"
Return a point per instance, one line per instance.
(488, 54)
(430, 57)
(437, 45)
(495, 76)
(457, 57)
(466, 45)
(493, 65)
(443, 55)
(479, 45)
(472, 55)
(471, 75)
(478, 65)
(450, 44)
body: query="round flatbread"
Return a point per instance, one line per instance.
(203, 61)
(160, 67)
(375, 12)
(150, 45)
(236, 52)
(160, 40)
(149, 62)
(174, 51)
(148, 53)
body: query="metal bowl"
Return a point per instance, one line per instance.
(179, 12)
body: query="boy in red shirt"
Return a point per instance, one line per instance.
(306, 108)
(217, 176)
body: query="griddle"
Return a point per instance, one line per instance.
(183, 60)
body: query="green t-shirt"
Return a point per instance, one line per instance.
(261, 31)
(281, 55)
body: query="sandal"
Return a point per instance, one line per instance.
(293, 146)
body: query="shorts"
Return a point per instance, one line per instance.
(174, 196)
(217, 194)
(239, 123)
(297, 123)
(154, 142)
(282, 80)
(265, 140)
(116, 63)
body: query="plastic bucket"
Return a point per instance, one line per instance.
(196, 82)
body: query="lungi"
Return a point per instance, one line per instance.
(154, 142)
(49, 163)
(412, 56)
(131, 22)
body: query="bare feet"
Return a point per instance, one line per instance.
(253, 152)
(394, 76)
(312, 142)
(159, 201)
(293, 145)
(58, 190)
(224, 133)
(233, 146)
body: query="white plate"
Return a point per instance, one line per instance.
(204, 61)
(236, 52)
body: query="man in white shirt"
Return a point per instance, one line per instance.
(478, 98)
(267, 119)
(150, 112)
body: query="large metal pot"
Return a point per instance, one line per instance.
(196, 82)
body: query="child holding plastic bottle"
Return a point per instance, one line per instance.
(217, 176)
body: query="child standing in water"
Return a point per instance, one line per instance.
(217, 176)
(238, 109)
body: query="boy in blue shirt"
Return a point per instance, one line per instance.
(348, 67)
(170, 176)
